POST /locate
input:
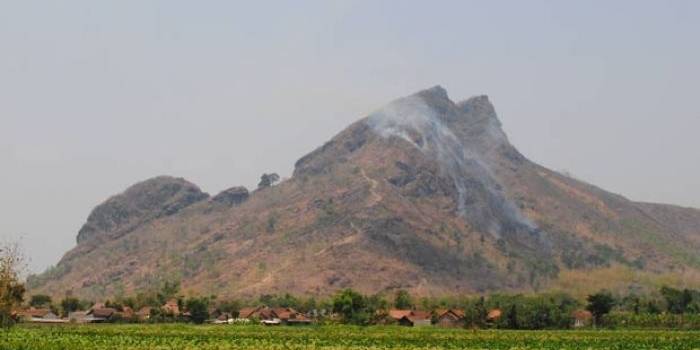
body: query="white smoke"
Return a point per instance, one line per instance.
(413, 120)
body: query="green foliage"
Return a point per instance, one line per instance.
(600, 304)
(681, 301)
(159, 315)
(511, 319)
(11, 289)
(70, 304)
(628, 320)
(352, 307)
(190, 337)
(39, 300)
(475, 313)
(229, 306)
(266, 180)
(198, 309)
(168, 290)
(377, 306)
(544, 311)
(273, 300)
(308, 305)
(402, 300)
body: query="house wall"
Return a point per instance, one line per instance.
(421, 323)
(449, 322)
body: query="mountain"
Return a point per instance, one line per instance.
(424, 194)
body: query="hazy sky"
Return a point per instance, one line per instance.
(95, 96)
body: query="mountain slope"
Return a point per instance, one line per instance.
(424, 194)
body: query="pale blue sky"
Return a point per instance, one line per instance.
(95, 96)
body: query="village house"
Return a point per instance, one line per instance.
(411, 318)
(97, 306)
(102, 314)
(127, 312)
(42, 315)
(250, 312)
(32, 312)
(224, 317)
(449, 318)
(274, 316)
(144, 313)
(582, 318)
(397, 314)
(290, 316)
(171, 307)
(78, 317)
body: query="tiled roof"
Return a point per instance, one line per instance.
(248, 312)
(494, 314)
(32, 312)
(105, 312)
(582, 314)
(419, 315)
(398, 314)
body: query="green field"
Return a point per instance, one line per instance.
(329, 337)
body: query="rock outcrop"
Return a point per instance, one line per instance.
(232, 196)
(140, 203)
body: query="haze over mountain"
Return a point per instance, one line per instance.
(424, 194)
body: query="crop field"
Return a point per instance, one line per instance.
(329, 337)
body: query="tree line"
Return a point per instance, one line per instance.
(667, 307)
(516, 311)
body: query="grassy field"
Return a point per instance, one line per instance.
(328, 337)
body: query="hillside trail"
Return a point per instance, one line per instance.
(373, 184)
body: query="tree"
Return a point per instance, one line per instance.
(288, 300)
(600, 304)
(475, 313)
(352, 306)
(70, 304)
(267, 180)
(677, 301)
(230, 306)
(267, 299)
(512, 317)
(376, 307)
(198, 309)
(308, 305)
(402, 300)
(11, 289)
(168, 291)
(39, 300)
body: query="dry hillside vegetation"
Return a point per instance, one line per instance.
(424, 194)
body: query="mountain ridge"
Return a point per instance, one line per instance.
(423, 194)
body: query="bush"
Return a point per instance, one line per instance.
(352, 307)
(11, 289)
(39, 300)
(198, 309)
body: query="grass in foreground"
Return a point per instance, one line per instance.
(34, 337)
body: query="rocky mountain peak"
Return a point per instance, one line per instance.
(478, 105)
(147, 200)
(232, 196)
(435, 95)
(424, 194)
(463, 140)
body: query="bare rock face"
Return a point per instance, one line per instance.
(232, 196)
(140, 203)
